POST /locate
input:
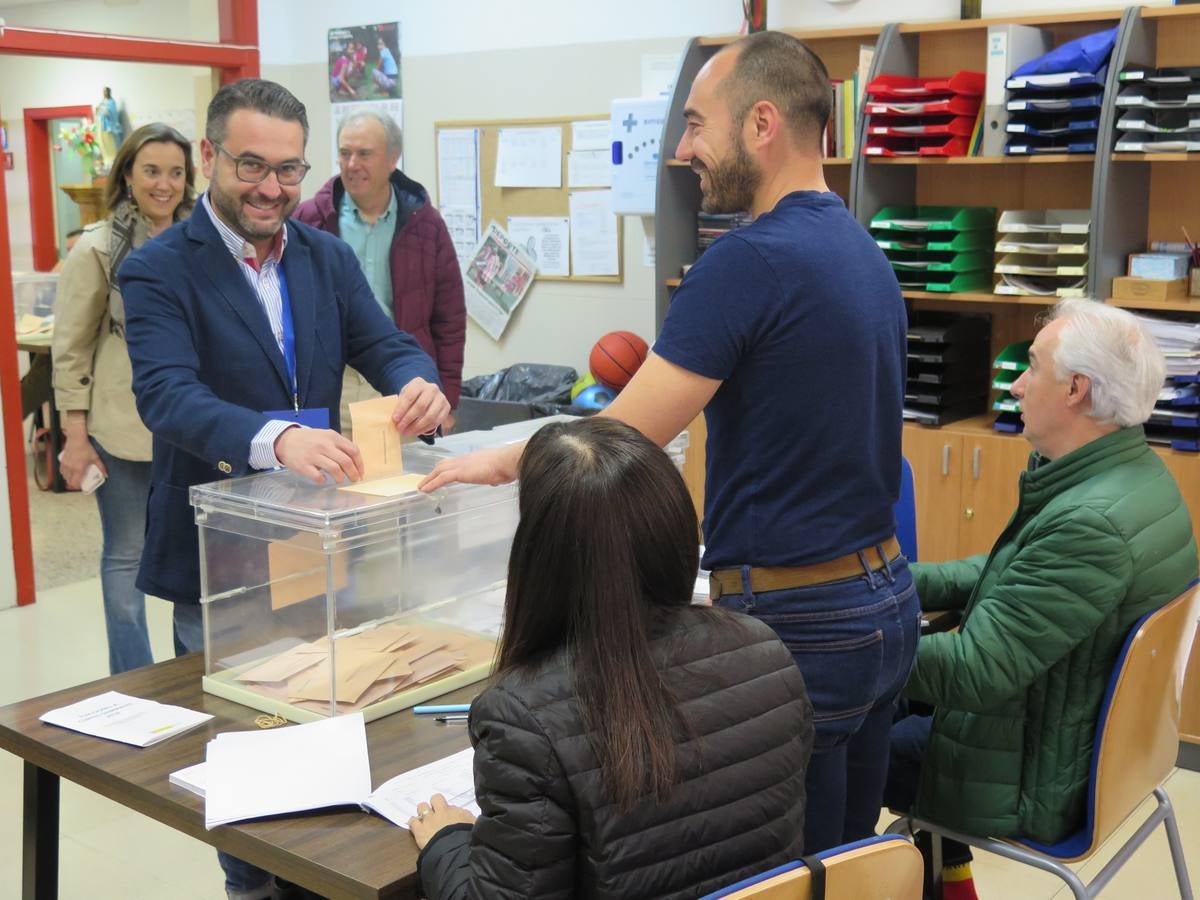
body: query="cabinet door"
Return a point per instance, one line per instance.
(936, 459)
(1186, 469)
(991, 470)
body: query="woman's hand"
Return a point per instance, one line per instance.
(433, 816)
(77, 455)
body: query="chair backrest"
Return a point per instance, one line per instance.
(905, 510)
(888, 867)
(1138, 734)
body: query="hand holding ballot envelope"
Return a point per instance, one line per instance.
(377, 426)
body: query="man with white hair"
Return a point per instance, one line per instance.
(401, 242)
(1099, 538)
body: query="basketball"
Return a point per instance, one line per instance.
(616, 357)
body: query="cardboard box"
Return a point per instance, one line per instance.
(1159, 266)
(1195, 291)
(1149, 289)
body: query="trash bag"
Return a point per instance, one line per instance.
(525, 383)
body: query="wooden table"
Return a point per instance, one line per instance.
(344, 853)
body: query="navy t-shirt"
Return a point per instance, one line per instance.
(800, 316)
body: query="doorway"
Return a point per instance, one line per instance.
(66, 167)
(46, 202)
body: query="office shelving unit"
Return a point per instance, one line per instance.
(1134, 198)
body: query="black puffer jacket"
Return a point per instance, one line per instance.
(547, 829)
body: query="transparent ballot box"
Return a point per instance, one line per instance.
(33, 293)
(319, 600)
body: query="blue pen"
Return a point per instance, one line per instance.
(441, 710)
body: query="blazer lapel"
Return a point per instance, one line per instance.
(222, 271)
(297, 268)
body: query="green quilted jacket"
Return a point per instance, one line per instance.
(1099, 538)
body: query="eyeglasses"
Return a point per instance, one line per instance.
(255, 171)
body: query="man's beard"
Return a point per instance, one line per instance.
(731, 182)
(230, 208)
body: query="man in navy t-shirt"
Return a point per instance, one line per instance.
(789, 333)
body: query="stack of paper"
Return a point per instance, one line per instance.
(251, 774)
(1162, 110)
(937, 248)
(367, 665)
(1176, 417)
(396, 799)
(947, 367)
(924, 116)
(1007, 368)
(1054, 100)
(130, 720)
(1043, 252)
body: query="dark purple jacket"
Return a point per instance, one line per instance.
(427, 288)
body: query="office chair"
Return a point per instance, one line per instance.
(1137, 742)
(887, 867)
(905, 510)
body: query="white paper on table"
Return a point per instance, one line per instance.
(546, 239)
(529, 157)
(589, 168)
(252, 774)
(658, 74)
(594, 134)
(593, 233)
(193, 778)
(130, 720)
(453, 777)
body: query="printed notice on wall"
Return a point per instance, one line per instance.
(458, 187)
(497, 277)
(529, 157)
(546, 239)
(593, 234)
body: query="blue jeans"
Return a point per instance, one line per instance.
(854, 641)
(240, 876)
(122, 502)
(908, 738)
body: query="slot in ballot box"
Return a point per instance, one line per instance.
(323, 600)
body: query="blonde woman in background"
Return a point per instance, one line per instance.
(150, 187)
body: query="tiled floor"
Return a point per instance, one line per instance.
(109, 852)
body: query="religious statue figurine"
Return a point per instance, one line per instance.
(111, 132)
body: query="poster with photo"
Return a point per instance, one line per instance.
(497, 277)
(364, 63)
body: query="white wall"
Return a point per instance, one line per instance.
(490, 59)
(148, 92)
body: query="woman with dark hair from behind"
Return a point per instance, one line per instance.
(630, 744)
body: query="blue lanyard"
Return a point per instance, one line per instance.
(289, 335)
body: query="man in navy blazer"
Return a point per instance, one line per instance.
(208, 346)
(239, 325)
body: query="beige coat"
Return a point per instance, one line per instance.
(91, 362)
